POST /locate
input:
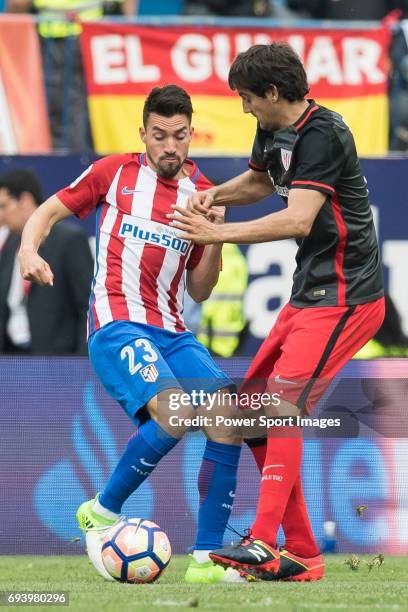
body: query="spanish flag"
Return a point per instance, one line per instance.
(347, 72)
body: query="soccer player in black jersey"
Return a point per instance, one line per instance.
(307, 154)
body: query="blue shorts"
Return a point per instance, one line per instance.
(135, 362)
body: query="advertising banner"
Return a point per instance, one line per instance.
(62, 437)
(347, 71)
(23, 113)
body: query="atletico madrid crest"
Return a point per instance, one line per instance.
(286, 157)
(149, 373)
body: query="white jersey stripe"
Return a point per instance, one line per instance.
(111, 195)
(131, 283)
(170, 263)
(102, 306)
(143, 197)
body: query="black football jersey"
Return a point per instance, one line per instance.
(338, 263)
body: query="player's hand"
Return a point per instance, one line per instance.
(200, 202)
(216, 215)
(194, 227)
(34, 268)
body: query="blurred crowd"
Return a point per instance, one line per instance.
(308, 9)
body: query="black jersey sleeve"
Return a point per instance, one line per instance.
(320, 160)
(256, 162)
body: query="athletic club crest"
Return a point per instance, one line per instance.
(149, 373)
(286, 156)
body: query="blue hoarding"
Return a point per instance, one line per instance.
(61, 436)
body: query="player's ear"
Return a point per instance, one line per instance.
(272, 93)
(142, 134)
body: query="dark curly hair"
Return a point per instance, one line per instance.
(262, 66)
(167, 101)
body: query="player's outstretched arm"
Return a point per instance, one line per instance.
(32, 266)
(245, 188)
(295, 221)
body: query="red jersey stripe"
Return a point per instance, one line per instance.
(151, 263)
(96, 324)
(172, 293)
(164, 196)
(114, 280)
(113, 283)
(306, 118)
(314, 184)
(127, 179)
(341, 246)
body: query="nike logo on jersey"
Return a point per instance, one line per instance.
(127, 191)
(278, 379)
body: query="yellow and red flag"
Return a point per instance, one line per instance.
(347, 71)
(24, 126)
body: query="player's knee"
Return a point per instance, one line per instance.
(232, 440)
(283, 409)
(170, 412)
(225, 429)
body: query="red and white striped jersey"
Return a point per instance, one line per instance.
(140, 262)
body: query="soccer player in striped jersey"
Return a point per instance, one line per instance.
(138, 343)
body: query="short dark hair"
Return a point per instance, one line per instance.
(262, 66)
(21, 180)
(167, 101)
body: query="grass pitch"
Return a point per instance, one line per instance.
(382, 588)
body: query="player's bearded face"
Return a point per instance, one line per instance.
(169, 166)
(167, 141)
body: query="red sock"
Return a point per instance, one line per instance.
(281, 469)
(296, 525)
(299, 538)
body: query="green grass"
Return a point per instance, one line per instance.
(384, 588)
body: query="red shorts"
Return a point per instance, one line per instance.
(307, 347)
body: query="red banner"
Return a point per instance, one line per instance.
(23, 114)
(347, 69)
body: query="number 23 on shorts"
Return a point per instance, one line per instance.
(129, 351)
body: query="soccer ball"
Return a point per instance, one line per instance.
(135, 550)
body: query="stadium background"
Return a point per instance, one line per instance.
(61, 435)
